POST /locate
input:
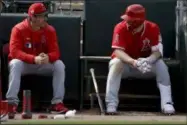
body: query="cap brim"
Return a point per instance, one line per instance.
(125, 17)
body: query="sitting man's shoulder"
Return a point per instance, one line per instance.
(50, 28)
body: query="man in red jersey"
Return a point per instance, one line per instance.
(138, 52)
(34, 50)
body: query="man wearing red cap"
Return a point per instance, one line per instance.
(138, 52)
(34, 50)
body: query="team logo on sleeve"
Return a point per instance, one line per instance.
(146, 45)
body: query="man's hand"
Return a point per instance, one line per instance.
(45, 58)
(38, 60)
(143, 65)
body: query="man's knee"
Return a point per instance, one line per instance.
(117, 64)
(160, 64)
(162, 72)
(59, 66)
(16, 64)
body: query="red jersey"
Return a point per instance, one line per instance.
(25, 43)
(139, 44)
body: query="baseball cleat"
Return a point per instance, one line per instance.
(58, 108)
(111, 113)
(11, 111)
(168, 109)
(111, 110)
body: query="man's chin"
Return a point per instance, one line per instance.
(43, 24)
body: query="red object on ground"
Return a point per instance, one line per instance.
(42, 116)
(3, 108)
(3, 103)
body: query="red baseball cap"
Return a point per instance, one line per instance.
(134, 12)
(37, 9)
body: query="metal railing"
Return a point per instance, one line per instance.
(65, 7)
(181, 19)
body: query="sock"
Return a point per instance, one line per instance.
(165, 93)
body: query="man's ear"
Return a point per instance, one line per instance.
(46, 17)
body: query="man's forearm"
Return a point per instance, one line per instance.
(154, 57)
(19, 54)
(124, 56)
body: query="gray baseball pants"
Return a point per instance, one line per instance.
(17, 68)
(118, 70)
